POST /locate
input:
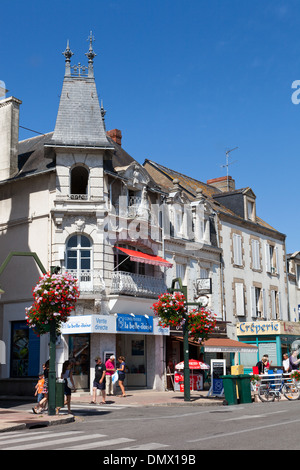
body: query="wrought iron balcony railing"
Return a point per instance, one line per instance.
(124, 283)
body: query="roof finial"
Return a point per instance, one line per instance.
(68, 54)
(91, 54)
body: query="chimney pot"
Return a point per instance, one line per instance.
(115, 135)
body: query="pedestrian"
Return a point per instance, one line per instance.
(262, 365)
(293, 360)
(40, 387)
(267, 365)
(110, 370)
(43, 403)
(99, 381)
(121, 373)
(67, 374)
(286, 364)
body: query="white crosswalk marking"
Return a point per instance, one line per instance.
(33, 437)
(69, 440)
(148, 446)
(50, 443)
(96, 445)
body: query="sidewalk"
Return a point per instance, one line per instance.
(12, 419)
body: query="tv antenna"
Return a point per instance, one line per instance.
(227, 164)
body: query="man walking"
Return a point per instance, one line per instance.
(110, 369)
(99, 381)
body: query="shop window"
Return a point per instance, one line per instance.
(25, 351)
(79, 356)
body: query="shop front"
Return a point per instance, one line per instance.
(271, 337)
(138, 338)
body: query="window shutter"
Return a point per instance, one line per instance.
(237, 249)
(279, 306)
(264, 304)
(239, 299)
(273, 304)
(255, 254)
(277, 259)
(268, 259)
(253, 301)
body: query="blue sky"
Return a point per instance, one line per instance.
(184, 80)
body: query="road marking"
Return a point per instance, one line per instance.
(149, 446)
(34, 437)
(49, 443)
(258, 428)
(96, 445)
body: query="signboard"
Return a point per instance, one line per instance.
(127, 323)
(271, 327)
(118, 323)
(203, 286)
(89, 324)
(217, 368)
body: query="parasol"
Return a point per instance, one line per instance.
(193, 364)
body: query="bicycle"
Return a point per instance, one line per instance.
(274, 387)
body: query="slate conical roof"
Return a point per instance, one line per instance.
(79, 121)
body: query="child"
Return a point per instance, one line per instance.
(39, 387)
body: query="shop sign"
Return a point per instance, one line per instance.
(258, 328)
(127, 323)
(89, 324)
(122, 323)
(203, 286)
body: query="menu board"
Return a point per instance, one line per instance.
(217, 368)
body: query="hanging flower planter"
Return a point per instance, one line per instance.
(55, 296)
(172, 311)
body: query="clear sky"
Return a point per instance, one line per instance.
(184, 80)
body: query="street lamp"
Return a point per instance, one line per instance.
(1, 292)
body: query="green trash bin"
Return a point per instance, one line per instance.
(229, 384)
(60, 393)
(244, 388)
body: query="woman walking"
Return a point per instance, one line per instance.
(67, 373)
(121, 373)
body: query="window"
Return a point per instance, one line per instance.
(276, 313)
(237, 249)
(272, 263)
(79, 258)
(25, 350)
(258, 302)
(250, 209)
(255, 254)
(79, 182)
(239, 299)
(180, 271)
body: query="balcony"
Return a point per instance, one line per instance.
(138, 285)
(88, 280)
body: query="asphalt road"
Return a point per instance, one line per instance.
(260, 426)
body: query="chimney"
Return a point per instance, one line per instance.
(9, 137)
(116, 135)
(222, 183)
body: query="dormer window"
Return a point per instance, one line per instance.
(249, 205)
(79, 178)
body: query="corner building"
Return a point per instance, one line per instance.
(81, 203)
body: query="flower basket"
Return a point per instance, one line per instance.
(55, 296)
(295, 375)
(172, 311)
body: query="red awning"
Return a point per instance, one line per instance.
(140, 257)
